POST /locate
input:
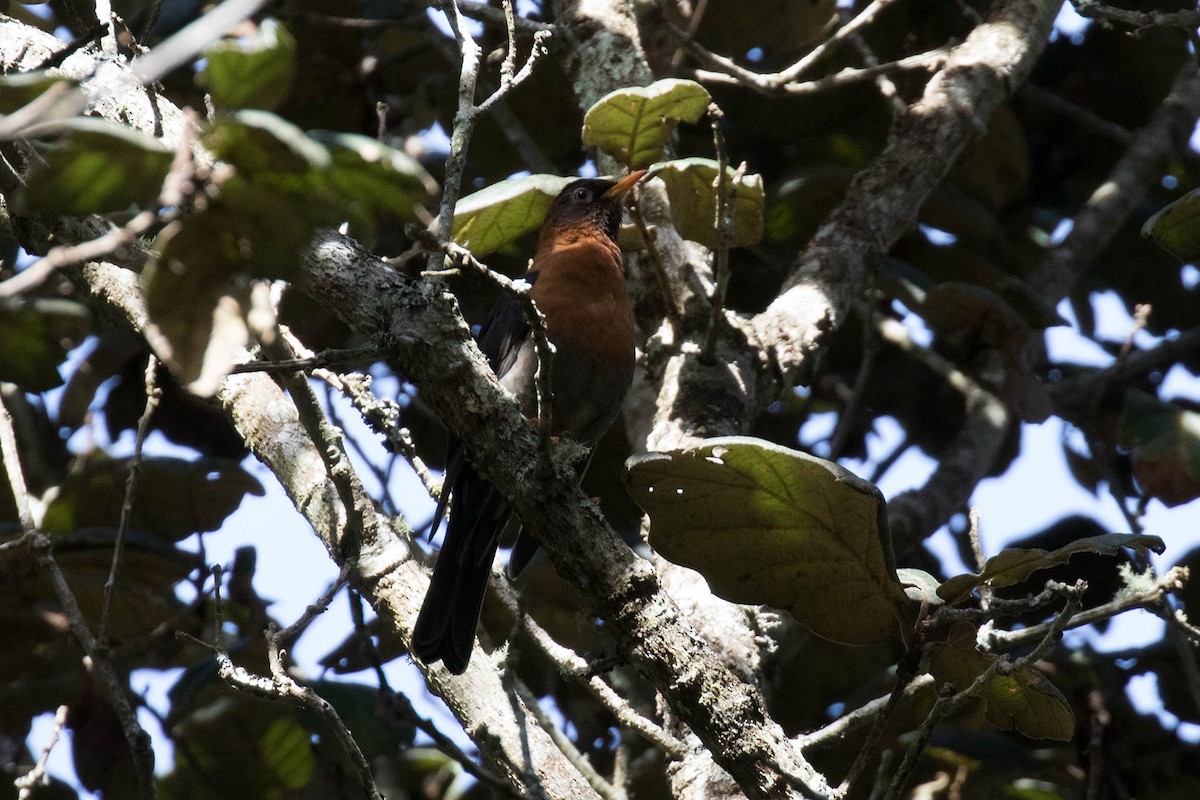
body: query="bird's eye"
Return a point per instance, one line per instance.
(583, 195)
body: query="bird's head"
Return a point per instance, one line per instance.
(591, 201)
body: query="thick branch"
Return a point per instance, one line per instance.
(882, 202)
(1114, 200)
(433, 347)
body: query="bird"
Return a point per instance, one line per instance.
(577, 281)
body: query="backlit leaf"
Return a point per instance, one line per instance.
(34, 338)
(378, 178)
(251, 72)
(693, 196)
(765, 524)
(1015, 565)
(633, 125)
(97, 167)
(1176, 227)
(498, 215)
(1022, 700)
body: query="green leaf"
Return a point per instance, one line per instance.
(633, 125)
(21, 89)
(498, 215)
(1165, 440)
(1157, 429)
(97, 167)
(1176, 227)
(251, 72)
(286, 753)
(1023, 700)
(257, 142)
(378, 178)
(765, 524)
(1012, 566)
(693, 196)
(376, 732)
(35, 337)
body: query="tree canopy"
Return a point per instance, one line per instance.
(228, 226)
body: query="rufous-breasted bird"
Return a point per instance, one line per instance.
(579, 286)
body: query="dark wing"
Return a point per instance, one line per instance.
(445, 628)
(500, 339)
(505, 330)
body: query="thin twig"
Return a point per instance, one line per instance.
(864, 715)
(281, 685)
(564, 744)
(383, 415)
(796, 70)
(884, 82)
(1130, 598)
(929, 60)
(468, 112)
(952, 701)
(660, 273)
(571, 666)
(723, 224)
(37, 776)
(153, 395)
(401, 709)
(849, 413)
(509, 68)
(330, 358)
(785, 80)
(905, 674)
(1187, 18)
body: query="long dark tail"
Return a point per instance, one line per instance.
(445, 628)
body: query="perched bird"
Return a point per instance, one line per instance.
(579, 286)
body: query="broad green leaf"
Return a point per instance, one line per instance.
(378, 178)
(287, 753)
(174, 497)
(1023, 700)
(1176, 227)
(377, 732)
(693, 194)
(251, 72)
(1157, 429)
(498, 215)
(21, 89)
(34, 338)
(765, 524)
(239, 746)
(633, 125)
(1165, 440)
(97, 167)
(1015, 565)
(257, 142)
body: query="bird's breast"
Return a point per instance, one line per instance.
(581, 291)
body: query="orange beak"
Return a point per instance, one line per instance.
(625, 184)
